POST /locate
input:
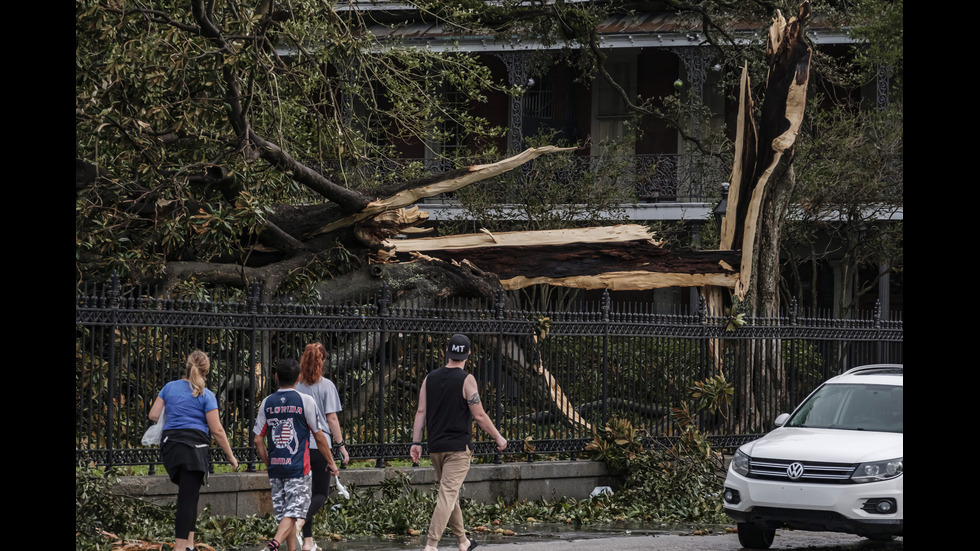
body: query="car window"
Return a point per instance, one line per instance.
(852, 407)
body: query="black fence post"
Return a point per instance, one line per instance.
(499, 364)
(879, 345)
(793, 349)
(606, 321)
(383, 302)
(703, 322)
(704, 357)
(114, 292)
(253, 299)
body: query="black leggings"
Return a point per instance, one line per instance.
(188, 490)
(321, 489)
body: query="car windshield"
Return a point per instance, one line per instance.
(852, 407)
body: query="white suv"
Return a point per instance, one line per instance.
(834, 464)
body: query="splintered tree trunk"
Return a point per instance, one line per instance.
(531, 371)
(767, 181)
(762, 184)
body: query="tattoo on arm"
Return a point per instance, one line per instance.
(474, 399)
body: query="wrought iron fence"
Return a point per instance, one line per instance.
(548, 378)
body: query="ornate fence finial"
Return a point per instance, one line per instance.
(606, 305)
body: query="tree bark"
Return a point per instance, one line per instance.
(762, 184)
(616, 258)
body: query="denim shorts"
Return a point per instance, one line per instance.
(291, 496)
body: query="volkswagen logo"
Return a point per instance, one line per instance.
(795, 470)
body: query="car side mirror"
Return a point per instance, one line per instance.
(781, 420)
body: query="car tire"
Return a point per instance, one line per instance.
(751, 536)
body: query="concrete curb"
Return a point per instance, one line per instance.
(245, 494)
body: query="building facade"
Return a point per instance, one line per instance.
(646, 56)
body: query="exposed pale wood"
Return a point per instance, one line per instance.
(409, 197)
(745, 155)
(794, 110)
(388, 223)
(556, 394)
(627, 281)
(613, 265)
(530, 368)
(604, 234)
(777, 33)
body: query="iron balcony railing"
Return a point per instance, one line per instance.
(652, 177)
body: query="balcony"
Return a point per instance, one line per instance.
(654, 178)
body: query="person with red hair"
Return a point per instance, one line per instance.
(324, 392)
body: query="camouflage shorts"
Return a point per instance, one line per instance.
(290, 496)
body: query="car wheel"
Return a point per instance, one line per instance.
(755, 537)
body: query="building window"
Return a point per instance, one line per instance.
(609, 107)
(609, 100)
(539, 99)
(448, 138)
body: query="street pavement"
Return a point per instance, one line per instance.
(714, 542)
(721, 541)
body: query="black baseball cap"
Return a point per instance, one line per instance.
(459, 347)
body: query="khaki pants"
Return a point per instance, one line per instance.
(451, 469)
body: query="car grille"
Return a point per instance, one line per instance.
(802, 471)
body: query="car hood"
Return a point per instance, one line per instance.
(837, 446)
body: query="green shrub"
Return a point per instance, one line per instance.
(100, 514)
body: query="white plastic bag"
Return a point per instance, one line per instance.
(340, 488)
(153, 434)
(599, 490)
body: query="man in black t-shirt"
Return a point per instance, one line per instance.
(449, 402)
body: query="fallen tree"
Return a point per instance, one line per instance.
(193, 128)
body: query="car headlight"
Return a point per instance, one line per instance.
(877, 470)
(740, 463)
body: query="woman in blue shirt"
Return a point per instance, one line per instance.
(191, 421)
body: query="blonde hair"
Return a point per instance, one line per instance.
(198, 365)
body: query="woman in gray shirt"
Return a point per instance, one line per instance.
(324, 392)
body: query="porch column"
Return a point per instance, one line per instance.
(885, 290)
(881, 86)
(884, 282)
(516, 64)
(695, 61)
